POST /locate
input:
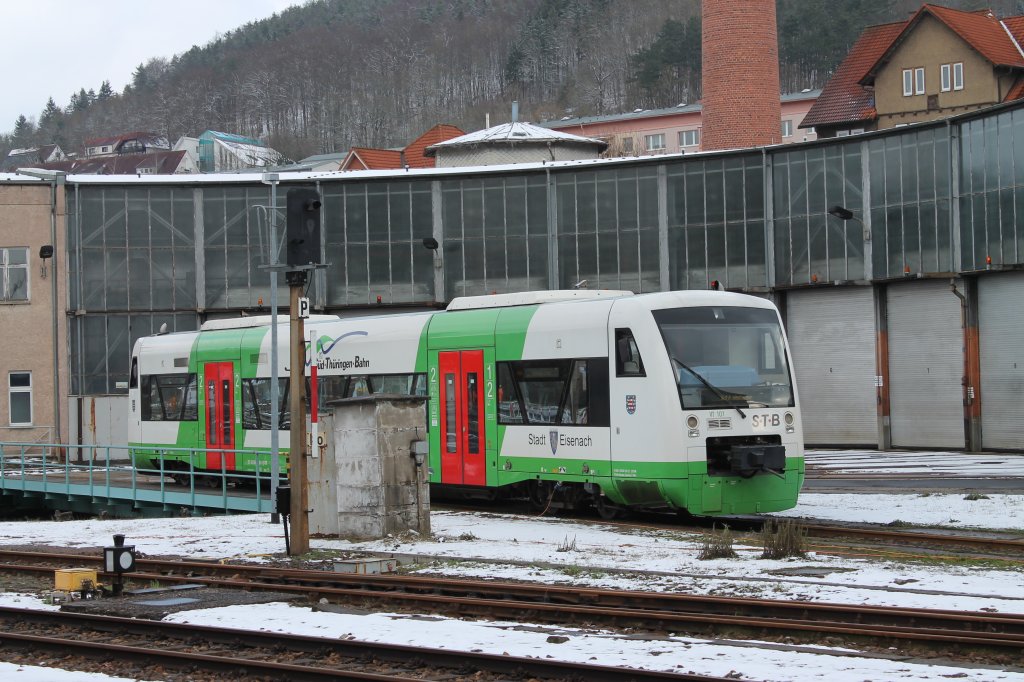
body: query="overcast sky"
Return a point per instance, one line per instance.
(52, 48)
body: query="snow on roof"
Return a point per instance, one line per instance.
(516, 132)
(253, 155)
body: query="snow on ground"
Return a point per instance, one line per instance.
(952, 510)
(37, 673)
(594, 553)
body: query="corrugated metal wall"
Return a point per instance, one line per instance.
(926, 365)
(1001, 329)
(832, 334)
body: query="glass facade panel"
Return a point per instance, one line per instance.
(133, 252)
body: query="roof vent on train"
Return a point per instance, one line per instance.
(532, 298)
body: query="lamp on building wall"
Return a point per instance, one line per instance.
(45, 252)
(430, 243)
(846, 214)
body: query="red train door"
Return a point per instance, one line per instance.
(220, 421)
(463, 437)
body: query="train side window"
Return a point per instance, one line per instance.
(576, 408)
(628, 362)
(510, 408)
(256, 407)
(168, 397)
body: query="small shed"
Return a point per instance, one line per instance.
(514, 142)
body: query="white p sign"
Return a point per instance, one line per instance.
(303, 308)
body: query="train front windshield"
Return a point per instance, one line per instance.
(726, 356)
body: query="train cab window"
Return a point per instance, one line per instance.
(627, 356)
(133, 378)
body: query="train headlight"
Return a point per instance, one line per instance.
(789, 422)
(692, 422)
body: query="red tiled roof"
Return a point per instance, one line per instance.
(162, 163)
(845, 100)
(842, 99)
(414, 152)
(368, 158)
(981, 30)
(99, 141)
(1017, 91)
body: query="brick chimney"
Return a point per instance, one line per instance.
(740, 74)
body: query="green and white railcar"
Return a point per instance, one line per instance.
(681, 400)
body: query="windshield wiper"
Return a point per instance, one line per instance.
(713, 389)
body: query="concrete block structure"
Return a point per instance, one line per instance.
(378, 488)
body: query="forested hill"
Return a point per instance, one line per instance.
(330, 74)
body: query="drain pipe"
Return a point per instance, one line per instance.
(971, 371)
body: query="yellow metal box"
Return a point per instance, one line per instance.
(71, 579)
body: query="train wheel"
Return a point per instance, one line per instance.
(540, 494)
(607, 509)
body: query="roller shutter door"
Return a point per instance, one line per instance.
(832, 334)
(926, 365)
(1001, 332)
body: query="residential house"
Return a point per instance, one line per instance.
(938, 63)
(673, 130)
(31, 157)
(138, 142)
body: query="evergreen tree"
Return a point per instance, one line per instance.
(23, 132)
(105, 93)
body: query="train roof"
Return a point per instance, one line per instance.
(532, 298)
(259, 321)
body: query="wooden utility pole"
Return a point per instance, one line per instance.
(297, 408)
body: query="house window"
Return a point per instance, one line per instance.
(689, 138)
(654, 142)
(13, 274)
(105, 149)
(787, 128)
(945, 77)
(19, 386)
(958, 76)
(908, 82)
(919, 81)
(627, 144)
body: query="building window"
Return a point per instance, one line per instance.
(787, 129)
(627, 144)
(919, 81)
(13, 274)
(20, 392)
(689, 138)
(944, 75)
(654, 143)
(958, 76)
(908, 82)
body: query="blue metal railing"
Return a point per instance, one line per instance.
(106, 473)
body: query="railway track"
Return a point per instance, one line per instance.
(951, 632)
(139, 643)
(982, 546)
